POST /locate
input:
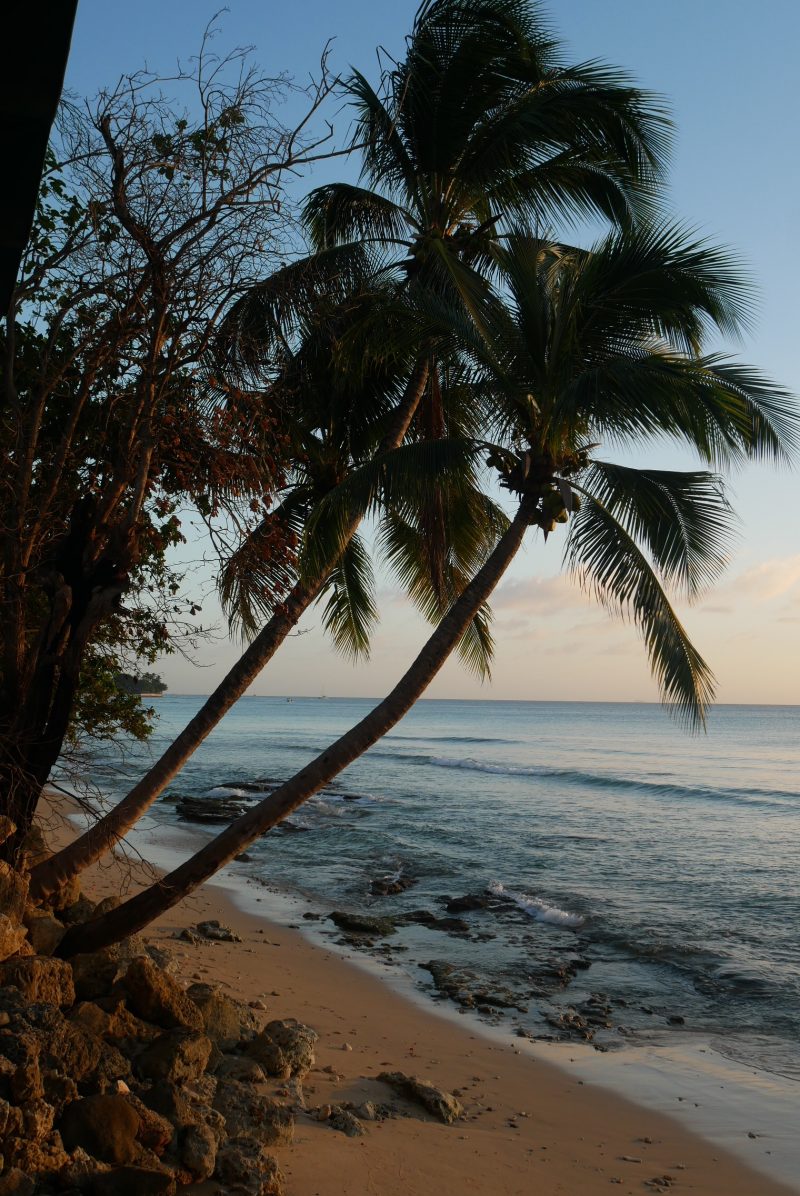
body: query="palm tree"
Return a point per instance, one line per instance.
(481, 123)
(588, 347)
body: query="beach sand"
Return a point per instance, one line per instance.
(530, 1127)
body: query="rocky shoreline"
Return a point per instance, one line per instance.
(115, 1079)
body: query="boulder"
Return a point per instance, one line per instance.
(197, 1150)
(178, 1056)
(106, 1126)
(240, 1067)
(155, 1131)
(362, 923)
(12, 936)
(241, 1167)
(7, 827)
(13, 892)
(467, 903)
(73, 906)
(113, 1023)
(345, 1122)
(158, 998)
(284, 1048)
(16, 1183)
(44, 931)
(94, 973)
(40, 979)
(249, 1114)
(226, 1021)
(34, 849)
(441, 1104)
(215, 931)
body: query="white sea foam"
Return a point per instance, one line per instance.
(537, 908)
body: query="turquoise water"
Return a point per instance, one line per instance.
(624, 858)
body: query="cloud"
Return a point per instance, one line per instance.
(539, 596)
(767, 581)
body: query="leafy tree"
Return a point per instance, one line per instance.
(153, 216)
(588, 347)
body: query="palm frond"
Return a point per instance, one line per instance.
(350, 611)
(682, 518)
(606, 560)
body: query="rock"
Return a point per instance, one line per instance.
(226, 1021)
(284, 1048)
(37, 1120)
(15, 1182)
(12, 936)
(178, 1056)
(424, 917)
(80, 1168)
(7, 827)
(209, 809)
(248, 1114)
(467, 903)
(74, 906)
(40, 979)
(116, 1024)
(34, 849)
(198, 1151)
(190, 936)
(13, 892)
(391, 885)
(438, 1102)
(94, 973)
(346, 1122)
(45, 932)
(132, 1181)
(362, 923)
(155, 1131)
(366, 1111)
(215, 931)
(158, 998)
(241, 1168)
(105, 1126)
(163, 958)
(241, 1068)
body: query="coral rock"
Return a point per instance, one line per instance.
(248, 1114)
(40, 979)
(158, 998)
(284, 1048)
(176, 1056)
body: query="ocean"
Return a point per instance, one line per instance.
(573, 871)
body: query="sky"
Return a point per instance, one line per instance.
(728, 70)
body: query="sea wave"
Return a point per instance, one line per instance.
(538, 909)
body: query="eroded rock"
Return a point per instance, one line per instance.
(243, 1168)
(158, 998)
(249, 1114)
(226, 1022)
(284, 1048)
(435, 1100)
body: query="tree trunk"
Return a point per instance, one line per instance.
(139, 911)
(100, 838)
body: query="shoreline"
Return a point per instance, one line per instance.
(580, 1117)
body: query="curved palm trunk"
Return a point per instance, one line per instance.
(139, 911)
(100, 838)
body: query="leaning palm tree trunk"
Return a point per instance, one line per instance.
(139, 911)
(101, 837)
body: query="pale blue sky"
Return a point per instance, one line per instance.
(728, 69)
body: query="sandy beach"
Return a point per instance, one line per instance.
(530, 1126)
